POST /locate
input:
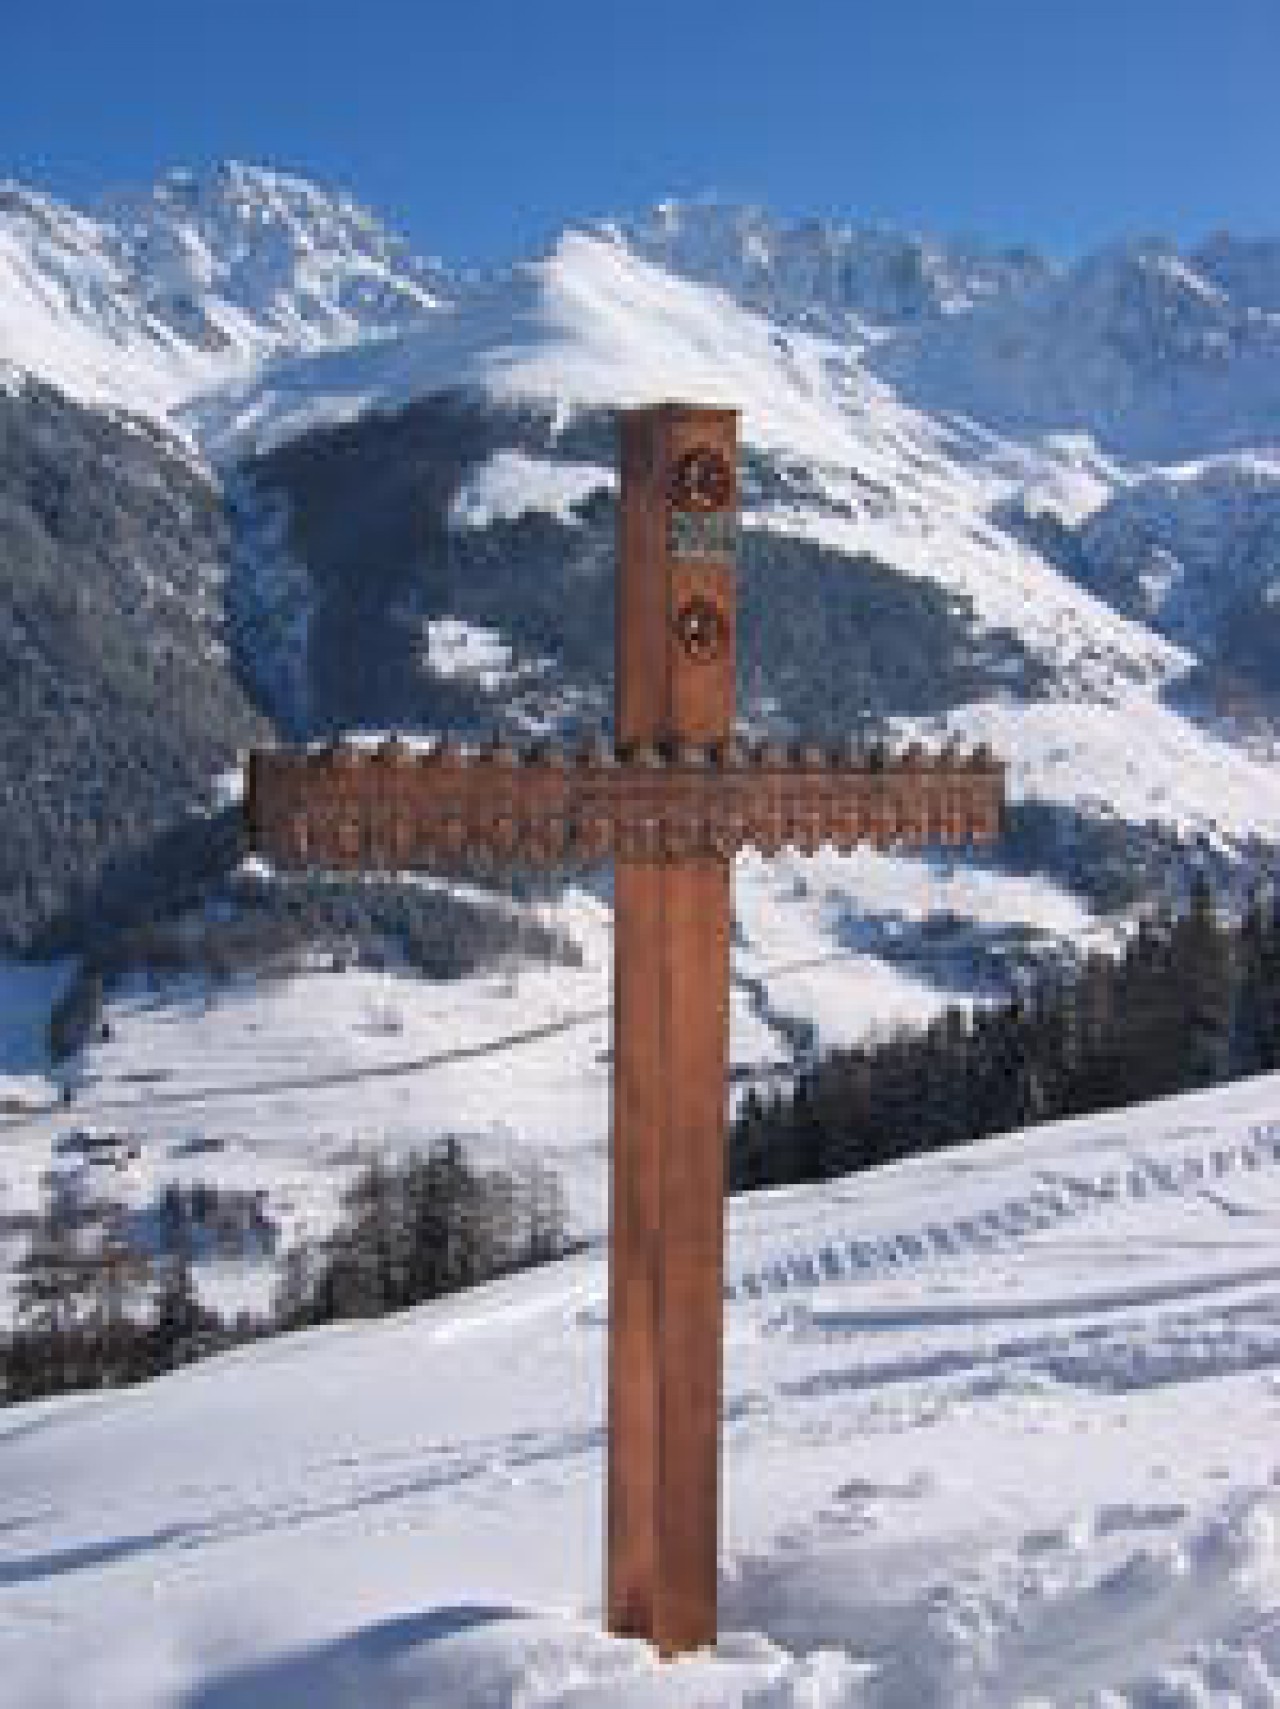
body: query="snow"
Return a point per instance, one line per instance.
(511, 484)
(999, 1430)
(594, 325)
(320, 316)
(469, 652)
(1134, 344)
(854, 944)
(1136, 759)
(847, 279)
(1205, 532)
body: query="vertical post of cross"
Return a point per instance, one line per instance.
(674, 666)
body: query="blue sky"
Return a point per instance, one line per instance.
(480, 125)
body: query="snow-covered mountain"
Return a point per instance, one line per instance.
(952, 519)
(1158, 355)
(827, 275)
(149, 297)
(1246, 268)
(1182, 547)
(1157, 352)
(152, 295)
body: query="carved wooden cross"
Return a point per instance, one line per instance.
(671, 801)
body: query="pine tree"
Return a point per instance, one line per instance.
(178, 1318)
(546, 1216)
(119, 1276)
(1204, 969)
(748, 1144)
(294, 1302)
(52, 1283)
(373, 1242)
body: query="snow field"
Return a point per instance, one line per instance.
(1134, 758)
(512, 483)
(164, 293)
(1000, 1424)
(1040, 1471)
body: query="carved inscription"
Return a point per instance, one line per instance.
(702, 533)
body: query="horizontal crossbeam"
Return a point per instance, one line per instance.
(396, 808)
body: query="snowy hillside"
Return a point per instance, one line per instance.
(1156, 352)
(288, 1083)
(120, 699)
(1191, 548)
(999, 1430)
(151, 296)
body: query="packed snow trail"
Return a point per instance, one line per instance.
(1039, 1468)
(315, 1080)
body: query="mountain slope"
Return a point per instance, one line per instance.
(421, 518)
(1157, 352)
(1194, 551)
(119, 702)
(827, 276)
(592, 328)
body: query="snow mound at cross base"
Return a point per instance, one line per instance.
(479, 1656)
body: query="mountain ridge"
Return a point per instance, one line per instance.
(202, 278)
(147, 296)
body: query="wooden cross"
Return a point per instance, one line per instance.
(670, 801)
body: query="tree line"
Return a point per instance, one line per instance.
(105, 1296)
(416, 1230)
(95, 1309)
(1193, 1001)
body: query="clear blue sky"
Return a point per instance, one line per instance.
(480, 125)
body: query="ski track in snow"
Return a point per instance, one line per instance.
(1063, 1196)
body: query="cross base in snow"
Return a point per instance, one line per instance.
(670, 802)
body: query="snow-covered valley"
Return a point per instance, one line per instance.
(288, 1084)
